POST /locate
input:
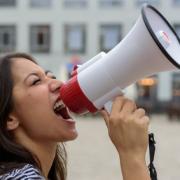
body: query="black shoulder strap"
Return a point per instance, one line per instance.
(151, 167)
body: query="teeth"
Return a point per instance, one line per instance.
(59, 105)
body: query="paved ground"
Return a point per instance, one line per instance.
(93, 157)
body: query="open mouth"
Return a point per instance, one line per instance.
(61, 110)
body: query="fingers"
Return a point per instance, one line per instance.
(129, 107)
(105, 115)
(123, 105)
(124, 109)
(117, 104)
(139, 113)
(140, 116)
(145, 120)
(127, 123)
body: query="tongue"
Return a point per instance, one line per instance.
(63, 112)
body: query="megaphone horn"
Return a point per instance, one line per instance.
(150, 47)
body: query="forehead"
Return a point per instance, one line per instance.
(21, 67)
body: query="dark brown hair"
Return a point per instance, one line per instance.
(13, 155)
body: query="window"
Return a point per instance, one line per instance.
(40, 3)
(75, 3)
(153, 2)
(110, 35)
(147, 93)
(176, 86)
(146, 87)
(7, 3)
(177, 29)
(173, 107)
(7, 38)
(75, 38)
(40, 38)
(110, 3)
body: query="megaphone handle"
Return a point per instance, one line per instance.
(108, 106)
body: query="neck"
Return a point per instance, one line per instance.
(44, 152)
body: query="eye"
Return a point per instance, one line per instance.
(53, 77)
(50, 74)
(36, 81)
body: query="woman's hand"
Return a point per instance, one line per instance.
(128, 128)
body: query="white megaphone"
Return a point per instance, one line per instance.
(150, 47)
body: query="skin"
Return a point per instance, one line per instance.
(33, 121)
(36, 126)
(128, 130)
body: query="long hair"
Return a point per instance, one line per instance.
(13, 155)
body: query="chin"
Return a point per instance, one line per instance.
(69, 137)
(72, 136)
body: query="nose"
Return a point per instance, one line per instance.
(54, 85)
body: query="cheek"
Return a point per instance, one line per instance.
(37, 96)
(33, 99)
(35, 128)
(34, 119)
(28, 106)
(32, 106)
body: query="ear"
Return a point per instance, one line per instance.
(12, 122)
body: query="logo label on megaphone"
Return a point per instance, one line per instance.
(163, 38)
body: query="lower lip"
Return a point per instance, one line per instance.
(71, 121)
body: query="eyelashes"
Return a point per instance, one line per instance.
(50, 74)
(36, 81)
(53, 77)
(36, 78)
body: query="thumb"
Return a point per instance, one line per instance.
(105, 115)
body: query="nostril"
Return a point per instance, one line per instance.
(55, 86)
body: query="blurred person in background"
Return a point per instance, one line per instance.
(34, 124)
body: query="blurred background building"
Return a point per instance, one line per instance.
(61, 33)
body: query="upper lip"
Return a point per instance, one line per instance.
(57, 97)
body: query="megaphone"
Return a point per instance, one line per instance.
(150, 47)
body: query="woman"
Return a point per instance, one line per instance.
(33, 120)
